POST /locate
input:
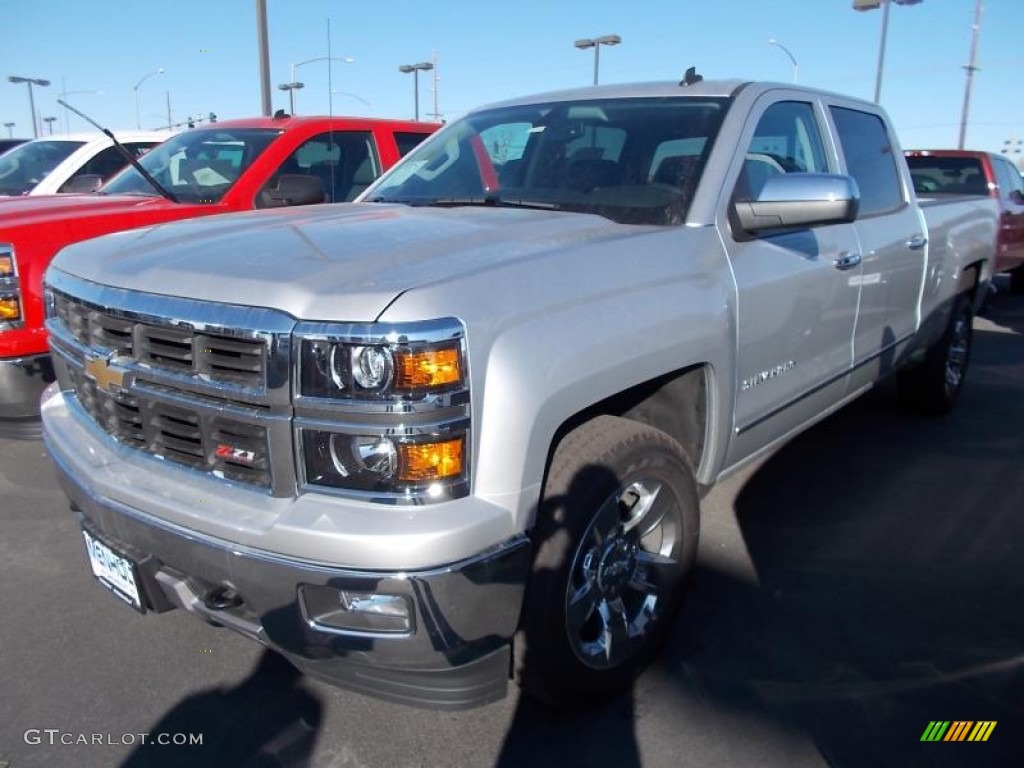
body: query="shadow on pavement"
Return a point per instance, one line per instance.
(269, 720)
(887, 584)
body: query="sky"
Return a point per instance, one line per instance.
(486, 52)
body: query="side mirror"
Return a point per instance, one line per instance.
(86, 182)
(296, 189)
(800, 200)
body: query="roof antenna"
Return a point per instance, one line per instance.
(691, 77)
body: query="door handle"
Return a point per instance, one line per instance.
(917, 242)
(846, 261)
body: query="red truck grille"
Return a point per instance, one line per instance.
(172, 348)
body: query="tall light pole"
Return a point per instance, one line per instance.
(291, 87)
(423, 66)
(870, 5)
(291, 91)
(10, 130)
(64, 95)
(138, 120)
(596, 43)
(30, 81)
(49, 122)
(785, 50)
(971, 69)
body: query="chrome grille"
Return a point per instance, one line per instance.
(216, 444)
(164, 347)
(208, 389)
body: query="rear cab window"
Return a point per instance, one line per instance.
(947, 175)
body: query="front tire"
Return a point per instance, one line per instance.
(934, 386)
(616, 535)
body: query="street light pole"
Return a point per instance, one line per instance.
(64, 95)
(971, 69)
(138, 120)
(49, 122)
(424, 66)
(30, 81)
(10, 130)
(291, 92)
(291, 87)
(870, 5)
(596, 43)
(785, 50)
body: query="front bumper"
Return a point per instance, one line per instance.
(453, 653)
(22, 381)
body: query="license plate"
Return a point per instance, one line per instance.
(114, 571)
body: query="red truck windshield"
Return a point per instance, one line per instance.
(197, 166)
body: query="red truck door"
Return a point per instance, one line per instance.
(1011, 224)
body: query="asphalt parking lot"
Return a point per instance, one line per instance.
(860, 584)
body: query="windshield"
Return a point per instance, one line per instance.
(197, 166)
(634, 161)
(28, 164)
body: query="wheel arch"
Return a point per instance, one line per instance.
(677, 403)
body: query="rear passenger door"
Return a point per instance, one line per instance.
(797, 291)
(892, 241)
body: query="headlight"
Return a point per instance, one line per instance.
(388, 365)
(383, 465)
(10, 297)
(383, 410)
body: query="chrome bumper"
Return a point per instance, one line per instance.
(453, 653)
(22, 381)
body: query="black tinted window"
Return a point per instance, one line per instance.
(869, 159)
(407, 141)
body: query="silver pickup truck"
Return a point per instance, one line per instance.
(457, 432)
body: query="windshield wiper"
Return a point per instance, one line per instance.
(125, 153)
(494, 201)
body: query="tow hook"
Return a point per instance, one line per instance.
(222, 598)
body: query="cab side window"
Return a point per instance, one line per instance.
(786, 140)
(344, 162)
(869, 160)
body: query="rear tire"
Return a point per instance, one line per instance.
(934, 386)
(616, 534)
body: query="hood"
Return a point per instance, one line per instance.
(342, 262)
(19, 211)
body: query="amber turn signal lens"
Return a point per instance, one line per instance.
(427, 369)
(424, 462)
(9, 310)
(6, 266)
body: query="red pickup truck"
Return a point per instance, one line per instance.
(941, 172)
(229, 166)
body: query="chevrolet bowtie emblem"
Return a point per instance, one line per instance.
(106, 377)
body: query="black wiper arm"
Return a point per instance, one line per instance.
(493, 201)
(125, 153)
